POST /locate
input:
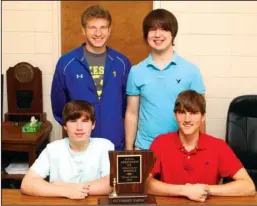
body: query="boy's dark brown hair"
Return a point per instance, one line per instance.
(160, 18)
(95, 11)
(78, 108)
(190, 101)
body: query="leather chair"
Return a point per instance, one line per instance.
(241, 131)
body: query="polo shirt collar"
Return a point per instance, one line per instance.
(150, 61)
(200, 146)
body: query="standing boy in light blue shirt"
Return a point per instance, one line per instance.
(77, 166)
(154, 84)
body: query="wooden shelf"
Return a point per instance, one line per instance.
(6, 176)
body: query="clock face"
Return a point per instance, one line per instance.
(24, 73)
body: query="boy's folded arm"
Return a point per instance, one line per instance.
(33, 184)
(96, 187)
(100, 186)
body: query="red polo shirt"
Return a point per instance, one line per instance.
(207, 164)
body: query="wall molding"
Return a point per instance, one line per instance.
(156, 4)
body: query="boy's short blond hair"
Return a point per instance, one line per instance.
(95, 11)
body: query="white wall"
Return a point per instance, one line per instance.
(31, 33)
(221, 38)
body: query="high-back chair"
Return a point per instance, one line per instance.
(241, 131)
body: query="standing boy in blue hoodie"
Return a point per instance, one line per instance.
(95, 73)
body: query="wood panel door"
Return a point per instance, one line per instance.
(127, 34)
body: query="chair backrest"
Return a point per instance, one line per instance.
(241, 131)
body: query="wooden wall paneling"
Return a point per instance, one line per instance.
(127, 34)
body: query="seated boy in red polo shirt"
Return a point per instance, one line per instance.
(190, 163)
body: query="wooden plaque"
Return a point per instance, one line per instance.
(24, 89)
(128, 172)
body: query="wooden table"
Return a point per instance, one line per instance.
(13, 139)
(11, 196)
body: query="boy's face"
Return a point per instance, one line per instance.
(97, 32)
(79, 130)
(189, 123)
(159, 39)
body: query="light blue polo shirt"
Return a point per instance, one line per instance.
(158, 90)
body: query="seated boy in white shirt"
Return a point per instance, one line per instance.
(77, 166)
